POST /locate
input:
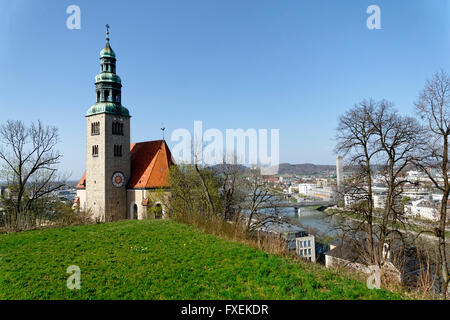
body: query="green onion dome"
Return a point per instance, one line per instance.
(107, 52)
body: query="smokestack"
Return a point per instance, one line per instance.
(339, 173)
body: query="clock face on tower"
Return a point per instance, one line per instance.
(118, 179)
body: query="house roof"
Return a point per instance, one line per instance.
(282, 227)
(150, 163)
(348, 251)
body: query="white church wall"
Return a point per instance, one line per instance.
(136, 197)
(81, 194)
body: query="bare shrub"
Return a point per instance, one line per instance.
(68, 216)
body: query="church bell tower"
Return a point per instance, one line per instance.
(107, 144)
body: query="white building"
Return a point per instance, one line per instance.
(313, 190)
(379, 200)
(304, 188)
(306, 248)
(423, 209)
(436, 197)
(326, 193)
(4, 191)
(351, 198)
(417, 194)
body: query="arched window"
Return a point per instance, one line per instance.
(106, 95)
(134, 212)
(157, 211)
(98, 96)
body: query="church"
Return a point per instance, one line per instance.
(120, 176)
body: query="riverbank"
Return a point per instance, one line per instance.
(410, 228)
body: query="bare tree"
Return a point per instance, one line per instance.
(433, 106)
(260, 203)
(356, 141)
(231, 188)
(197, 153)
(205, 190)
(29, 158)
(401, 139)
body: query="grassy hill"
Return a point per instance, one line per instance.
(159, 260)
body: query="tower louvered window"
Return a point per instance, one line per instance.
(117, 150)
(95, 151)
(95, 128)
(117, 128)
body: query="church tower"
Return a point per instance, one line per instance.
(107, 144)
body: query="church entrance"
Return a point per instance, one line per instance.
(134, 212)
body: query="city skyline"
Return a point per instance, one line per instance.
(294, 67)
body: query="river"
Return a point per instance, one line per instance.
(315, 221)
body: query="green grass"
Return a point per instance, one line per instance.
(159, 260)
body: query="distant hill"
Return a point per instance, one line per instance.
(239, 168)
(304, 168)
(293, 169)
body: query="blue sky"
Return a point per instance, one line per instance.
(290, 64)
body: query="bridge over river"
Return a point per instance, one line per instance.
(301, 204)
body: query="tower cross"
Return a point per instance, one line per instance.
(162, 129)
(107, 31)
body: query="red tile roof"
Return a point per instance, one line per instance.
(82, 183)
(150, 163)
